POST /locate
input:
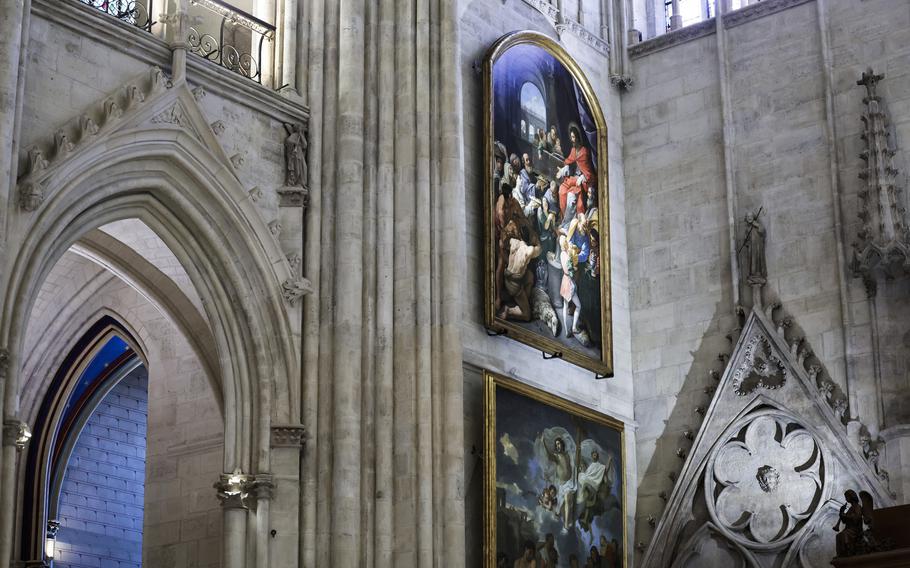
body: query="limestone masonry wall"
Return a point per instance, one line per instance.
(679, 208)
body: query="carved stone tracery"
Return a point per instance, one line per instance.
(765, 479)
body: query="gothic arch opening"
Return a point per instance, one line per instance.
(181, 256)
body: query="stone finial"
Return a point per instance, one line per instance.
(112, 112)
(62, 144)
(881, 248)
(87, 127)
(237, 160)
(158, 81)
(36, 161)
(134, 96)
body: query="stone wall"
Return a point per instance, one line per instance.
(482, 23)
(781, 160)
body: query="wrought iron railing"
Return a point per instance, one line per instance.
(242, 39)
(135, 12)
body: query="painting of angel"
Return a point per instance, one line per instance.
(546, 201)
(554, 480)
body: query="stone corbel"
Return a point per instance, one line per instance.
(16, 433)
(293, 290)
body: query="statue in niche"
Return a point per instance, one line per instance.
(755, 241)
(295, 146)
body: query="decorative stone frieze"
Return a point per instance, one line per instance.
(288, 436)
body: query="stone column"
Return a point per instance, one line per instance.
(284, 514)
(265, 10)
(231, 487)
(675, 16)
(12, 17)
(288, 28)
(262, 489)
(382, 348)
(177, 28)
(16, 435)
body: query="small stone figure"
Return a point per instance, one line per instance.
(857, 536)
(755, 240)
(295, 146)
(851, 516)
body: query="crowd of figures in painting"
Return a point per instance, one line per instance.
(547, 229)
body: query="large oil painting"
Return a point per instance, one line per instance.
(546, 203)
(554, 486)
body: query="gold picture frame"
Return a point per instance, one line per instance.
(575, 336)
(521, 475)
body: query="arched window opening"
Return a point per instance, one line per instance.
(99, 471)
(85, 478)
(534, 111)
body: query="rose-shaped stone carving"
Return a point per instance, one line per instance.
(766, 479)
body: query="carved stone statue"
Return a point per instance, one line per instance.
(755, 240)
(295, 146)
(851, 516)
(858, 535)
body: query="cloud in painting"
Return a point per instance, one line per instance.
(508, 448)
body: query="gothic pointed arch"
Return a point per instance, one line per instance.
(770, 458)
(105, 353)
(156, 160)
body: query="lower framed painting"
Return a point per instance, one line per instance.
(554, 489)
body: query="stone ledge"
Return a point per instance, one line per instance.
(707, 27)
(152, 50)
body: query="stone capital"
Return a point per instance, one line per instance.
(288, 436)
(240, 491)
(16, 433)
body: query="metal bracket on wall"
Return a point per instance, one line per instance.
(555, 355)
(496, 333)
(598, 376)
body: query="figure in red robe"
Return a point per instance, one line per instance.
(585, 178)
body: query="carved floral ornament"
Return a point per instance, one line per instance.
(765, 480)
(761, 367)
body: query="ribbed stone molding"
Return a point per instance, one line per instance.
(383, 483)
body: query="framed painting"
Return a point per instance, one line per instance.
(546, 229)
(554, 485)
